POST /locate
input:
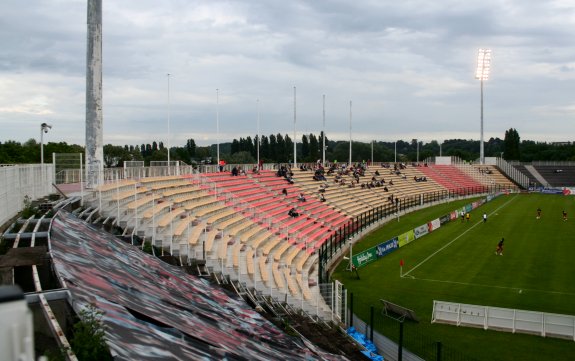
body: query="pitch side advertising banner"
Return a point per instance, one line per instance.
(387, 247)
(365, 257)
(421, 231)
(405, 238)
(448, 217)
(453, 215)
(433, 225)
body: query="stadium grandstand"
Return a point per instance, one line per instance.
(69, 247)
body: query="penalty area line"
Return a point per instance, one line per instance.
(456, 238)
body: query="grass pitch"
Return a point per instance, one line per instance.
(457, 263)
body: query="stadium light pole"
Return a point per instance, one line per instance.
(169, 115)
(294, 134)
(218, 127)
(350, 133)
(395, 152)
(258, 135)
(482, 73)
(323, 135)
(372, 151)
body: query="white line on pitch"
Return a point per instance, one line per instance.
(493, 286)
(456, 238)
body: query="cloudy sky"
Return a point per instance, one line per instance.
(407, 67)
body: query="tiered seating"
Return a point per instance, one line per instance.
(493, 176)
(451, 178)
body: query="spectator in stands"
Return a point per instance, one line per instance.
(377, 173)
(284, 192)
(293, 213)
(234, 171)
(390, 182)
(221, 165)
(301, 197)
(321, 197)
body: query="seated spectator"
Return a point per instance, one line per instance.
(284, 192)
(235, 171)
(293, 213)
(385, 189)
(390, 182)
(321, 197)
(376, 173)
(301, 197)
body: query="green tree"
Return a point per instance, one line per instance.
(511, 145)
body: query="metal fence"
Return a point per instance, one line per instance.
(400, 340)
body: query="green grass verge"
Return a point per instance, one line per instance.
(535, 273)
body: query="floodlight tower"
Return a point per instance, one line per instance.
(169, 120)
(482, 73)
(294, 129)
(94, 114)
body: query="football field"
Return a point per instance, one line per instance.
(458, 263)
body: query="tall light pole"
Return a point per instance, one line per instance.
(372, 151)
(323, 135)
(43, 129)
(350, 133)
(258, 136)
(294, 135)
(417, 151)
(482, 73)
(94, 107)
(218, 127)
(395, 152)
(169, 120)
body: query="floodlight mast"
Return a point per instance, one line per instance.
(482, 73)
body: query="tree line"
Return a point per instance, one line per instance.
(278, 148)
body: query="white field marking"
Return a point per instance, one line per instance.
(494, 286)
(456, 238)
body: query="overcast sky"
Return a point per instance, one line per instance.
(407, 66)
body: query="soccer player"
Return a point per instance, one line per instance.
(538, 212)
(499, 250)
(564, 215)
(468, 216)
(484, 217)
(462, 216)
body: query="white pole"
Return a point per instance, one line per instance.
(135, 218)
(372, 151)
(42, 147)
(258, 136)
(218, 126)
(323, 137)
(169, 123)
(481, 152)
(294, 131)
(350, 133)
